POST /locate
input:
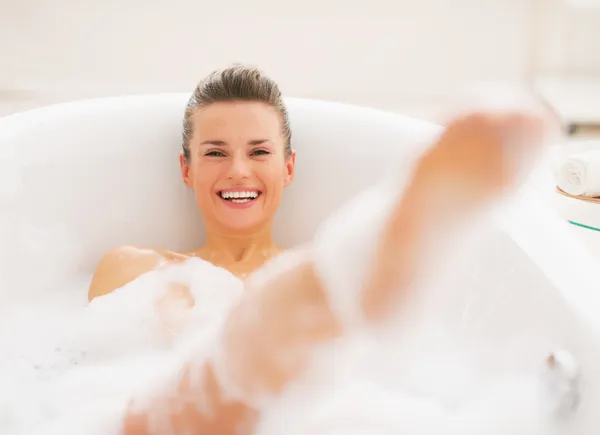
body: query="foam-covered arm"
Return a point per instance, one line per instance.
(346, 245)
(369, 242)
(266, 342)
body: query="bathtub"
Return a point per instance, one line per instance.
(82, 177)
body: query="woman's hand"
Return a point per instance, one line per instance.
(484, 153)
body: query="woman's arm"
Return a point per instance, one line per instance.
(286, 316)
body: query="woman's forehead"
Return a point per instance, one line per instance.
(249, 118)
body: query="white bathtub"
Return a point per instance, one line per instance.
(85, 176)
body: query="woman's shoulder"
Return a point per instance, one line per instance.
(123, 264)
(127, 257)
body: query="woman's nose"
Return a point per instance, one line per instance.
(239, 168)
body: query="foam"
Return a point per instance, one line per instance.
(421, 374)
(62, 362)
(435, 387)
(350, 237)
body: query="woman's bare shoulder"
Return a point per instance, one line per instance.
(123, 264)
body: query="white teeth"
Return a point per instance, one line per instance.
(245, 195)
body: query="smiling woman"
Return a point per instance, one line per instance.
(237, 158)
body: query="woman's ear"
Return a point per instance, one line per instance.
(290, 167)
(185, 170)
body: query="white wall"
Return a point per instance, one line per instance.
(408, 55)
(571, 29)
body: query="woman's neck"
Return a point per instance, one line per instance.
(224, 247)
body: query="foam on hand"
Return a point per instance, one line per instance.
(532, 122)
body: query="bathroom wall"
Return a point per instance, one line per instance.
(405, 55)
(568, 59)
(571, 29)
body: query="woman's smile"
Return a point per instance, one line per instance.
(239, 198)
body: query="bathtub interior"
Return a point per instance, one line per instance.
(83, 177)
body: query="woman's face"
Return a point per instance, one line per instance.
(238, 166)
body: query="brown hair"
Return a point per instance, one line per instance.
(236, 83)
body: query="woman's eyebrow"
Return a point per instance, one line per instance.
(214, 142)
(252, 142)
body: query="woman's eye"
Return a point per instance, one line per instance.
(260, 153)
(214, 154)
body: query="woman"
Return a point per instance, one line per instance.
(237, 158)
